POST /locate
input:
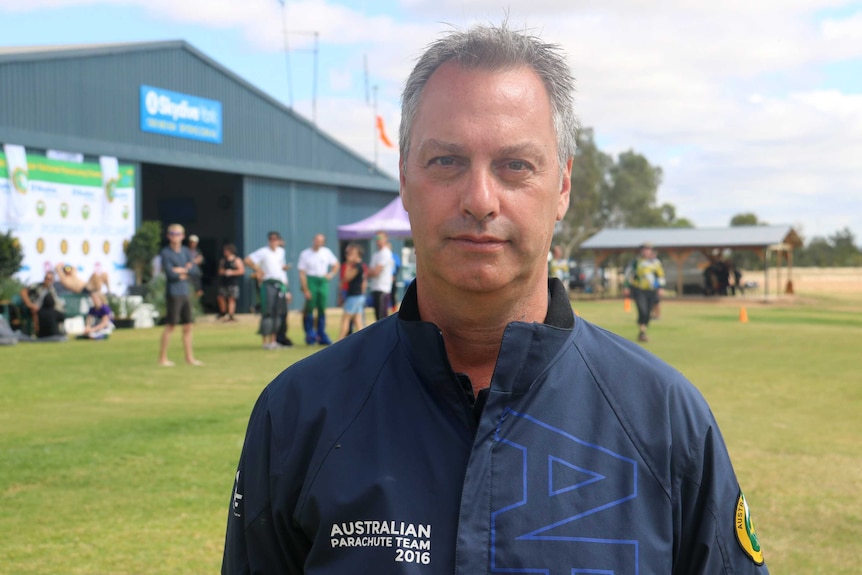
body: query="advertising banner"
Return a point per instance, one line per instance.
(64, 218)
(19, 197)
(180, 115)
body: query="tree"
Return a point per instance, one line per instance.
(11, 257)
(746, 219)
(142, 248)
(837, 250)
(630, 195)
(589, 169)
(844, 248)
(746, 260)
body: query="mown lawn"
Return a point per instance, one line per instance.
(111, 464)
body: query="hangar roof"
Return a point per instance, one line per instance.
(86, 99)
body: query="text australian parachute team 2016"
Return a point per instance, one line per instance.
(369, 533)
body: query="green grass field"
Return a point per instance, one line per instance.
(113, 465)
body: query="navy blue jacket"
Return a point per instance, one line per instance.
(587, 455)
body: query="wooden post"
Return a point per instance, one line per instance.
(788, 289)
(679, 258)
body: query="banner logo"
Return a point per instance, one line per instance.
(64, 247)
(40, 246)
(85, 247)
(111, 189)
(19, 180)
(180, 115)
(85, 211)
(64, 209)
(125, 212)
(40, 208)
(106, 247)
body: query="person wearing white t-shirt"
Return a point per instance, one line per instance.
(380, 275)
(317, 266)
(270, 269)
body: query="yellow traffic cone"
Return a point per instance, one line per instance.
(627, 304)
(743, 315)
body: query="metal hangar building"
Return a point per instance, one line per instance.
(209, 150)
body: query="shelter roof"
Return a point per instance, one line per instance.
(739, 237)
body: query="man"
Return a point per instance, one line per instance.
(380, 274)
(69, 279)
(269, 267)
(230, 271)
(178, 266)
(198, 258)
(33, 297)
(317, 266)
(482, 428)
(644, 282)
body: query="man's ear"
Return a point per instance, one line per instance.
(565, 190)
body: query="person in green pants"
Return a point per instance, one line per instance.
(317, 266)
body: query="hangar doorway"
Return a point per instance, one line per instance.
(208, 204)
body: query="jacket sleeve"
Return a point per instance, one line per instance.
(711, 539)
(254, 542)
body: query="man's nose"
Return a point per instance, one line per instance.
(480, 196)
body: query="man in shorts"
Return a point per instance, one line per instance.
(178, 266)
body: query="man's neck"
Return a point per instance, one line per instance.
(472, 324)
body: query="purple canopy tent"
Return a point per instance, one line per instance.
(392, 219)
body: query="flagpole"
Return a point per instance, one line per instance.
(375, 126)
(286, 53)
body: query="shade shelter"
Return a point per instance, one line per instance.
(680, 243)
(392, 219)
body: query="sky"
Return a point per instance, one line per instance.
(747, 106)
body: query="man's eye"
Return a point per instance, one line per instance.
(443, 161)
(517, 165)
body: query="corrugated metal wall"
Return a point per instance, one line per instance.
(298, 212)
(97, 97)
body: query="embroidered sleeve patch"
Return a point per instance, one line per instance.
(745, 534)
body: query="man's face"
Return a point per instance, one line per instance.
(318, 241)
(274, 242)
(482, 182)
(175, 237)
(380, 241)
(49, 278)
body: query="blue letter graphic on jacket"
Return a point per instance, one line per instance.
(557, 502)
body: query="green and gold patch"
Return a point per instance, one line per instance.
(745, 533)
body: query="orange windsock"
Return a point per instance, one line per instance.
(382, 131)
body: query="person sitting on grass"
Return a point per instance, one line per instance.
(50, 320)
(33, 298)
(99, 323)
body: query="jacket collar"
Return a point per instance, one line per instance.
(525, 351)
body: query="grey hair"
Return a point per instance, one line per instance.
(496, 48)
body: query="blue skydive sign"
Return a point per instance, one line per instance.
(180, 115)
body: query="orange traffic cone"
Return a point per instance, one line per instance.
(627, 304)
(743, 315)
